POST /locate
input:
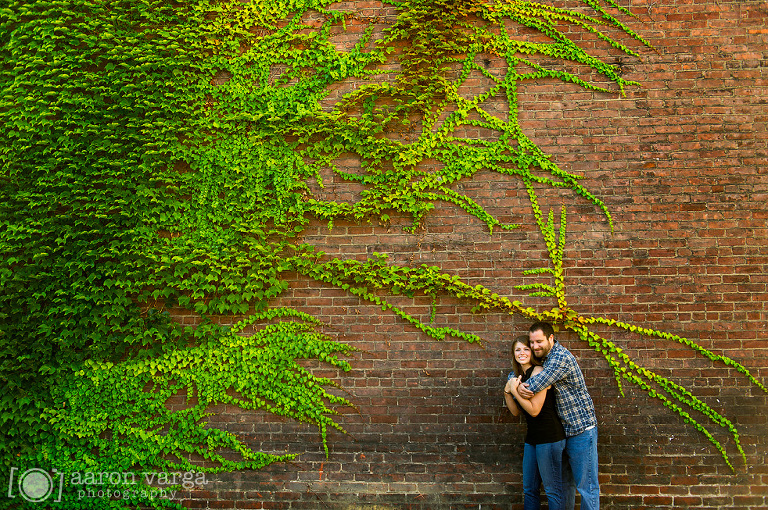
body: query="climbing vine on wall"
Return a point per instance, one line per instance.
(161, 155)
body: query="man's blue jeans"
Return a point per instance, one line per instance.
(543, 464)
(581, 454)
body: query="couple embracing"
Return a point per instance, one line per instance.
(561, 442)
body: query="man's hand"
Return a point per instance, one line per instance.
(524, 392)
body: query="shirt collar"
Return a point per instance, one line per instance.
(555, 346)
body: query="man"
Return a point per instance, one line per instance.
(575, 408)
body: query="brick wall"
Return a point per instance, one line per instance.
(681, 165)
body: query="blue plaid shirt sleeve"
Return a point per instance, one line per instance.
(556, 368)
(574, 405)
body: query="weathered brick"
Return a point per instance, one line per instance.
(680, 163)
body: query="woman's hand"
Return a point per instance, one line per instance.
(509, 396)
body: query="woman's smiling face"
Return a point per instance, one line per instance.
(522, 354)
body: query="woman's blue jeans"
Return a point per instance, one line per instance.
(543, 465)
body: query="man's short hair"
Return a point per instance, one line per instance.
(544, 327)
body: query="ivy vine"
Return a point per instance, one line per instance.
(158, 156)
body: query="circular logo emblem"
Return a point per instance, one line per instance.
(35, 485)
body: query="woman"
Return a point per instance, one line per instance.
(545, 438)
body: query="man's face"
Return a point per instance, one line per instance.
(540, 344)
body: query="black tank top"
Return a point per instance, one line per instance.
(546, 427)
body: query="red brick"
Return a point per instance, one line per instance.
(680, 163)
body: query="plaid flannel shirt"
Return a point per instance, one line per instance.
(574, 405)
